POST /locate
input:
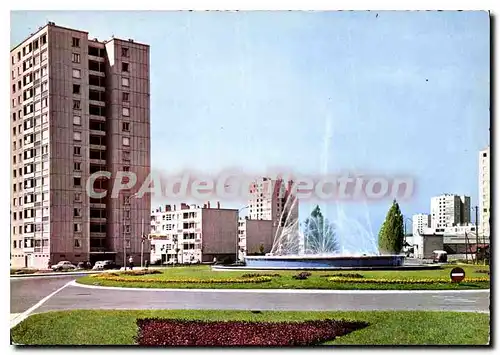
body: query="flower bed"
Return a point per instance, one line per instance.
(166, 332)
(405, 281)
(116, 277)
(351, 276)
(302, 275)
(259, 275)
(139, 272)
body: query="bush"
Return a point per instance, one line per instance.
(352, 276)
(258, 275)
(23, 271)
(302, 276)
(167, 332)
(483, 272)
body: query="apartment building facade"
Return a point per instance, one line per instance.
(448, 210)
(271, 205)
(78, 106)
(484, 192)
(420, 222)
(193, 234)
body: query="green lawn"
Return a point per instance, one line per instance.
(99, 327)
(286, 281)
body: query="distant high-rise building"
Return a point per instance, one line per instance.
(484, 192)
(421, 222)
(78, 106)
(449, 210)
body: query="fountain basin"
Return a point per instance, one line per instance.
(324, 262)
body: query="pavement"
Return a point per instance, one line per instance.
(37, 295)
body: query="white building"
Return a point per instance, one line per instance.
(193, 234)
(484, 192)
(449, 210)
(420, 221)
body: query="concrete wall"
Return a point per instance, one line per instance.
(259, 232)
(220, 228)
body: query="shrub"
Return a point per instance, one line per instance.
(302, 276)
(258, 275)
(166, 332)
(352, 276)
(483, 272)
(22, 271)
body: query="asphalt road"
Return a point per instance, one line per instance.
(26, 293)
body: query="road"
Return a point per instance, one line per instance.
(42, 294)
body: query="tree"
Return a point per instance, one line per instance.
(391, 235)
(319, 234)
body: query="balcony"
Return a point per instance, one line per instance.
(96, 132)
(97, 235)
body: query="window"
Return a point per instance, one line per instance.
(77, 136)
(126, 200)
(126, 126)
(76, 104)
(125, 96)
(127, 228)
(75, 42)
(75, 58)
(77, 166)
(43, 39)
(14, 131)
(77, 73)
(77, 120)
(44, 102)
(124, 52)
(126, 168)
(127, 243)
(77, 212)
(43, 55)
(125, 155)
(35, 44)
(125, 67)
(77, 150)
(76, 89)
(44, 71)
(14, 88)
(14, 186)
(77, 243)
(77, 181)
(126, 141)
(45, 86)
(77, 227)
(78, 197)
(125, 82)
(125, 111)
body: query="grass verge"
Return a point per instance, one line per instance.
(102, 327)
(286, 280)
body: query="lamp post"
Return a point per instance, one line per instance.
(238, 232)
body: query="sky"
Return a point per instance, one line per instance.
(384, 93)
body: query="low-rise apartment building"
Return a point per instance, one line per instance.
(193, 234)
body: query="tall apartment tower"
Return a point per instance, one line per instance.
(484, 192)
(420, 222)
(272, 200)
(449, 210)
(78, 106)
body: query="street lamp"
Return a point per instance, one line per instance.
(237, 232)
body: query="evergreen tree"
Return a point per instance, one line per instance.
(391, 235)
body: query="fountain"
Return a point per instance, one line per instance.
(319, 246)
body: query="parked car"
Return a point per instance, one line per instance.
(104, 265)
(63, 265)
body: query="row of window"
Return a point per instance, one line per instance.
(28, 64)
(33, 46)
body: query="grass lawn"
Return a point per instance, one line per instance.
(286, 281)
(99, 327)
